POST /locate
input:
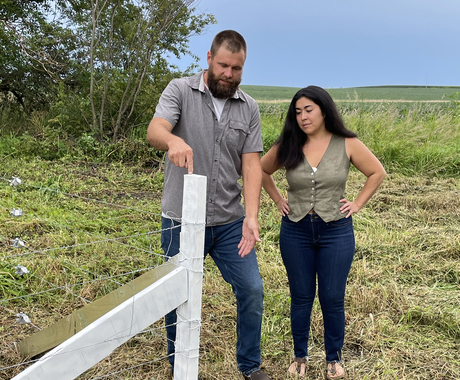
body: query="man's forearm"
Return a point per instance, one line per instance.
(159, 134)
(252, 184)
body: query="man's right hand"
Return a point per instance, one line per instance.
(159, 135)
(181, 154)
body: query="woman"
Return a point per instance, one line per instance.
(316, 237)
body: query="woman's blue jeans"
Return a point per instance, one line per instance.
(312, 248)
(221, 242)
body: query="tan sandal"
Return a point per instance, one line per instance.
(335, 371)
(298, 367)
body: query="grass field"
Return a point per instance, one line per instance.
(403, 295)
(377, 93)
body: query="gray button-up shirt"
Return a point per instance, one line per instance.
(217, 145)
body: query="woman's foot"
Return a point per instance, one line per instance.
(335, 370)
(298, 367)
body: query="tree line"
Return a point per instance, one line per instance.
(92, 66)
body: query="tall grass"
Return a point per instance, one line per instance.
(408, 138)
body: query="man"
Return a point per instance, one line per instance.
(208, 126)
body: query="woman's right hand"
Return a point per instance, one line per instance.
(283, 206)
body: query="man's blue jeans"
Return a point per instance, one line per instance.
(221, 242)
(312, 248)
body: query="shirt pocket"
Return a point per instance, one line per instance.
(236, 134)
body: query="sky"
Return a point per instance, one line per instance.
(340, 43)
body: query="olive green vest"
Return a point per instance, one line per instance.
(321, 190)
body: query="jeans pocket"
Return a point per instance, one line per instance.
(341, 223)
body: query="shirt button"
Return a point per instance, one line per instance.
(312, 173)
(311, 204)
(313, 188)
(313, 181)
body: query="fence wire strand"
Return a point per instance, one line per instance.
(67, 287)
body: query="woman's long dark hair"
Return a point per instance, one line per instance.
(292, 138)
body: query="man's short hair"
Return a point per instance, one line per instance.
(231, 40)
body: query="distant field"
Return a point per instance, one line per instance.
(377, 93)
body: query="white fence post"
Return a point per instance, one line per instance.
(191, 257)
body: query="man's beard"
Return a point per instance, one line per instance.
(221, 91)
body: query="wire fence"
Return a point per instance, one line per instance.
(64, 254)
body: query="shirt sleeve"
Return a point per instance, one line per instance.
(170, 104)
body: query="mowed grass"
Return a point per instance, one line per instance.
(403, 294)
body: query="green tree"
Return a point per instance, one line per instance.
(35, 53)
(128, 44)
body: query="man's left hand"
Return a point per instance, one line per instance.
(250, 236)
